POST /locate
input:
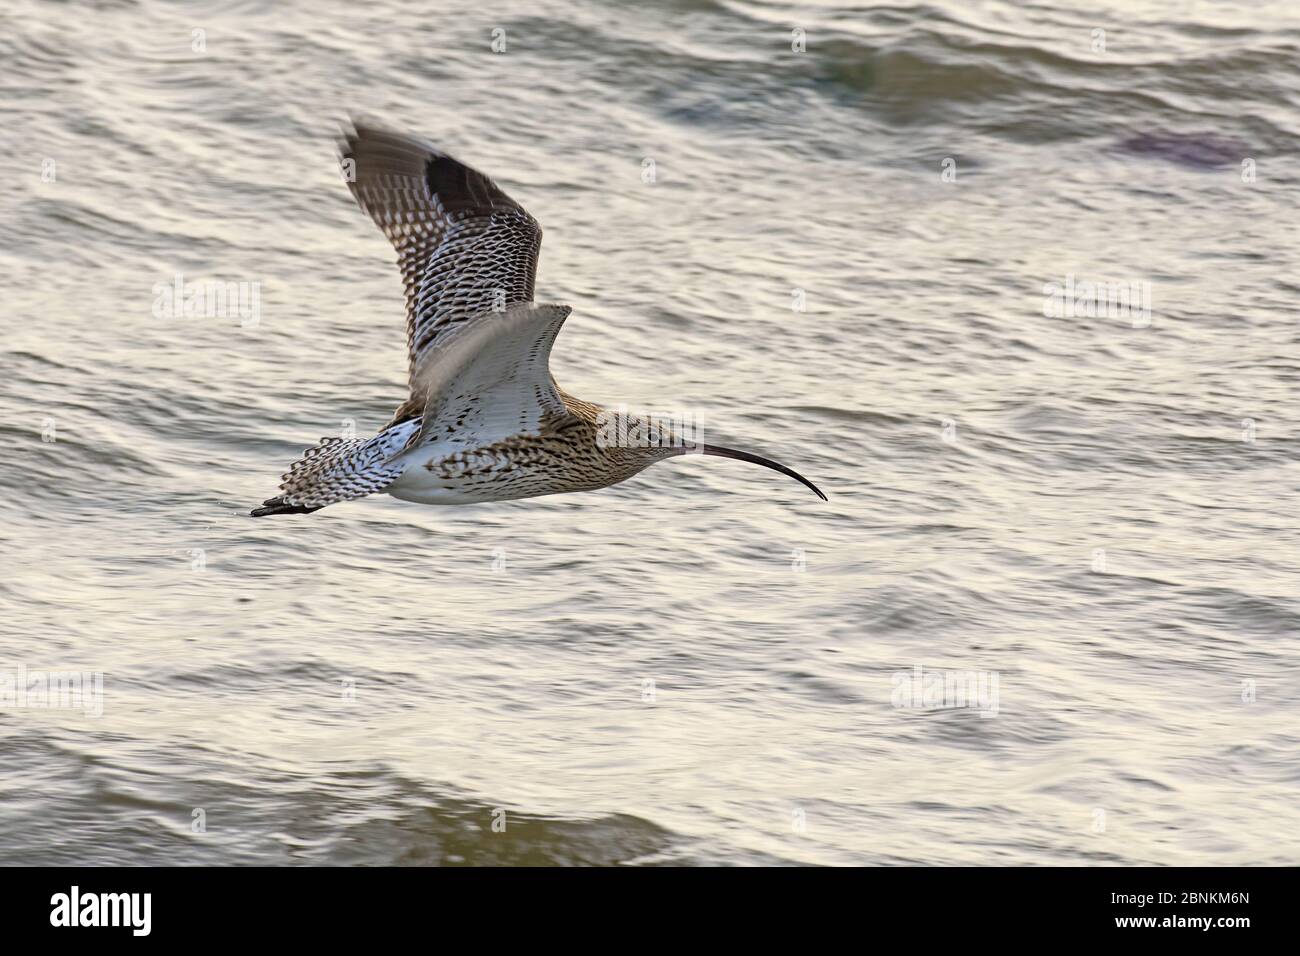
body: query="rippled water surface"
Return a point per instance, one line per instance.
(841, 256)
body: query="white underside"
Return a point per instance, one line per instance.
(419, 484)
(487, 382)
(409, 487)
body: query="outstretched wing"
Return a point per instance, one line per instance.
(491, 379)
(465, 248)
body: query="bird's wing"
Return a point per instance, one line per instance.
(490, 379)
(465, 248)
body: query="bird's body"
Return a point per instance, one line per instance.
(484, 420)
(563, 456)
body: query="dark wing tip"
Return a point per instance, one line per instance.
(380, 148)
(351, 129)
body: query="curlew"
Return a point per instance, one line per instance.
(484, 420)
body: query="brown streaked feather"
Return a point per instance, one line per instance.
(464, 247)
(564, 456)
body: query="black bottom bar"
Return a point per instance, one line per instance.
(952, 906)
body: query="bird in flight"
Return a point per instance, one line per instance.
(484, 420)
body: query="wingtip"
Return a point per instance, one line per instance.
(349, 126)
(352, 126)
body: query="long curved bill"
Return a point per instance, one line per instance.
(720, 452)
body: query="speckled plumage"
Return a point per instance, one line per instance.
(564, 455)
(464, 247)
(484, 420)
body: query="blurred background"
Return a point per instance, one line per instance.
(1048, 616)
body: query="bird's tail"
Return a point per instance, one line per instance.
(338, 469)
(278, 506)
